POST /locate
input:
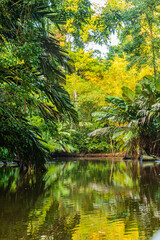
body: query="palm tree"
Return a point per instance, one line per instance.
(134, 118)
(32, 70)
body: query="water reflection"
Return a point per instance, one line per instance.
(81, 200)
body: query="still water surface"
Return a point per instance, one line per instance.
(81, 200)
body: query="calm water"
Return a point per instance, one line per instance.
(81, 200)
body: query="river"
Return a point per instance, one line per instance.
(78, 200)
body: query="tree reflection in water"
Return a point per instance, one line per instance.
(81, 200)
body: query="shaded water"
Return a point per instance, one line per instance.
(81, 200)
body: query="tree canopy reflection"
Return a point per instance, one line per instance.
(81, 200)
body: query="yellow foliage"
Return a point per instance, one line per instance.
(94, 24)
(92, 82)
(117, 76)
(116, 4)
(72, 5)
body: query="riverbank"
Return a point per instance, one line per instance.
(87, 155)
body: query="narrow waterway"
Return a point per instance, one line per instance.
(81, 200)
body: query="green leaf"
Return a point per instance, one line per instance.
(117, 134)
(128, 94)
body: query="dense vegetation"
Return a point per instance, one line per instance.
(31, 78)
(43, 46)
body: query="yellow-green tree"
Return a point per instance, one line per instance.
(93, 81)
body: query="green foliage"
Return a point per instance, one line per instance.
(5, 154)
(32, 68)
(22, 141)
(62, 137)
(134, 118)
(137, 25)
(84, 144)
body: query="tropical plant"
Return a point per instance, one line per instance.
(32, 67)
(134, 117)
